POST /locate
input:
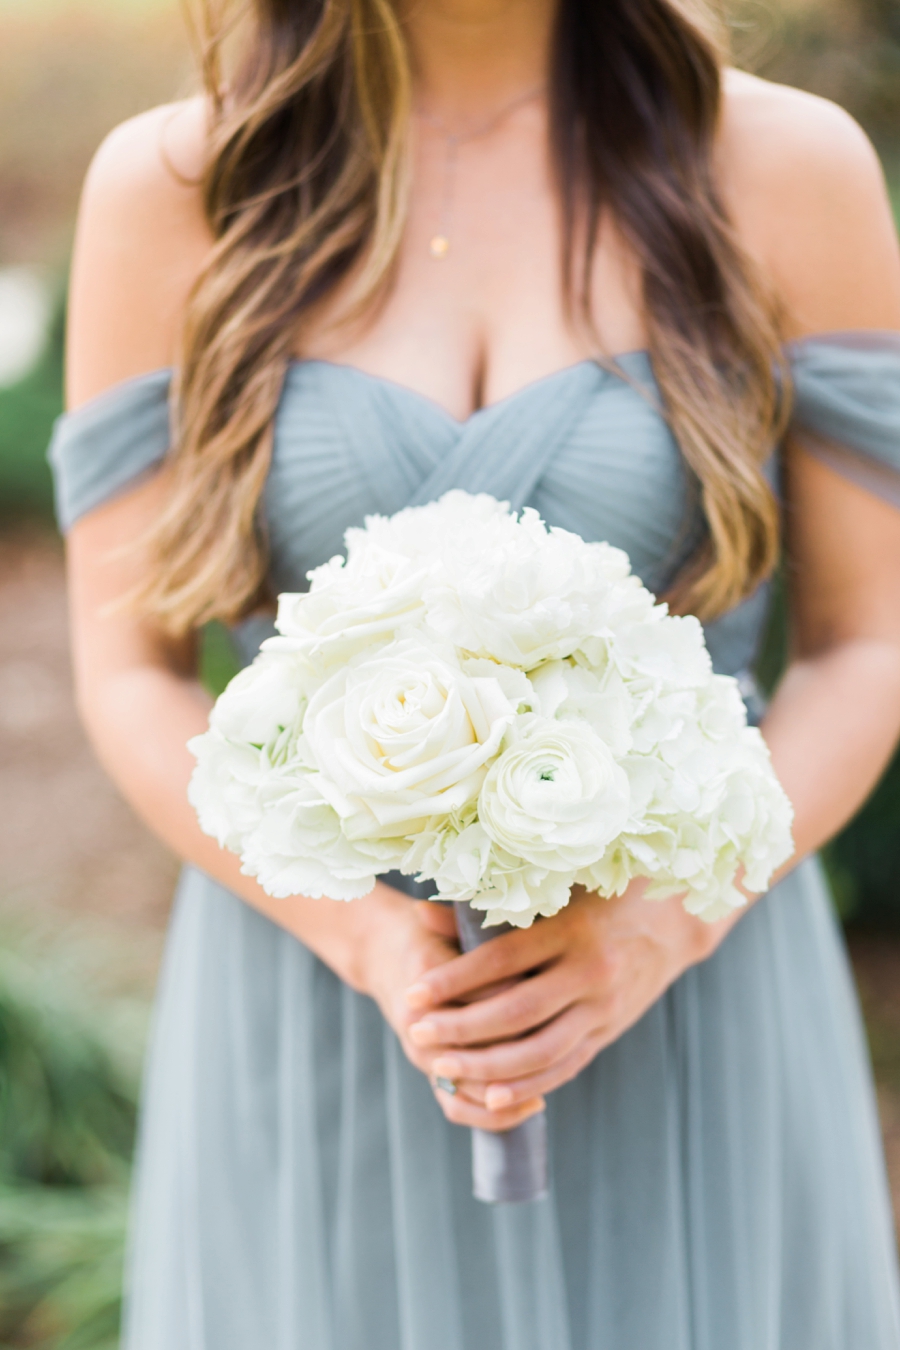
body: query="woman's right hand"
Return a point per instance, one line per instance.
(401, 945)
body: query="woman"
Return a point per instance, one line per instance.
(550, 249)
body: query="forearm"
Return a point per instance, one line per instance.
(140, 721)
(831, 729)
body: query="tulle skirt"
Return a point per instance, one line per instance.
(717, 1177)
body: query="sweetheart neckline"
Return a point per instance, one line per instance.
(498, 405)
(863, 339)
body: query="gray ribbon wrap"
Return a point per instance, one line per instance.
(510, 1166)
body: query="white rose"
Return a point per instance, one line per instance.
(351, 606)
(262, 702)
(556, 796)
(403, 735)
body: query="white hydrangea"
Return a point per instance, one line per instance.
(498, 708)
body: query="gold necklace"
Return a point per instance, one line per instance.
(439, 244)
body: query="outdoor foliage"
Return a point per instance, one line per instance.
(67, 1116)
(27, 413)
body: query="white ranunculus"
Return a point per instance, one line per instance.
(556, 796)
(403, 735)
(525, 594)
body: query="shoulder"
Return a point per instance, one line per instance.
(141, 240)
(157, 152)
(806, 191)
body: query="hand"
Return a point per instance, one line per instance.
(578, 981)
(405, 943)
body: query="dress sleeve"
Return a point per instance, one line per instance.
(846, 408)
(104, 447)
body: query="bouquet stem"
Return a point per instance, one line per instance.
(508, 1167)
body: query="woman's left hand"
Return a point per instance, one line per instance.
(579, 980)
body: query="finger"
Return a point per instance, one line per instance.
(503, 1096)
(502, 958)
(517, 1009)
(459, 1110)
(436, 918)
(517, 1059)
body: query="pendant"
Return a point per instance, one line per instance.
(439, 246)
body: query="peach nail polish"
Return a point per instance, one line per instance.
(418, 996)
(447, 1068)
(423, 1033)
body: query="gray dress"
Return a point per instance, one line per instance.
(717, 1178)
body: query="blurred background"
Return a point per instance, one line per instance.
(84, 890)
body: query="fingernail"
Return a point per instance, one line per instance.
(447, 1068)
(496, 1098)
(423, 1033)
(418, 995)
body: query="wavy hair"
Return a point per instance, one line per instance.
(307, 184)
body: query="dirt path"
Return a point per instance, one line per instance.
(78, 872)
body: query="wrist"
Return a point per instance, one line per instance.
(375, 920)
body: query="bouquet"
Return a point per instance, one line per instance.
(497, 708)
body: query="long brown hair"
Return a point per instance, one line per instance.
(307, 184)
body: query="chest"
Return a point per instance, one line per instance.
(586, 448)
(488, 316)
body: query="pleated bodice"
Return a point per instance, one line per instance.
(586, 447)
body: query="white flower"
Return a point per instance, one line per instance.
(456, 860)
(565, 690)
(225, 786)
(556, 796)
(497, 707)
(665, 650)
(351, 606)
(456, 524)
(403, 735)
(519, 892)
(524, 594)
(263, 701)
(298, 848)
(254, 726)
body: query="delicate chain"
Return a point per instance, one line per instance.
(439, 245)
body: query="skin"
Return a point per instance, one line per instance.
(806, 195)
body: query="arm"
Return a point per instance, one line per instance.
(810, 200)
(141, 240)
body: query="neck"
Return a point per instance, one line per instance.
(470, 57)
